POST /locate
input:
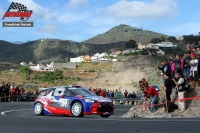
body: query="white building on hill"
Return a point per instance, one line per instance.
(23, 64)
(76, 59)
(165, 44)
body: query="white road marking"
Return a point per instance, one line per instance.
(4, 112)
(111, 118)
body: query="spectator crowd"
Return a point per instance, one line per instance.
(180, 72)
(13, 93)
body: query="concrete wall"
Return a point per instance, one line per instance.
(64, 65)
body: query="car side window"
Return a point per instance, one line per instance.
(59, 92)
(68, 93)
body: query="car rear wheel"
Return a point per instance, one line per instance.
(77, 109)
(104, 116)
(38, 109)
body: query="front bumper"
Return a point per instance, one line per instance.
(101, 108)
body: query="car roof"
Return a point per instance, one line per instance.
(71, 86)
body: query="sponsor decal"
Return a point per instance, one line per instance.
(64, 102)
(18, 10)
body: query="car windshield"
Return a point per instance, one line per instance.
(83, 92)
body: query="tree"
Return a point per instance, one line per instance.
(162, 38)
(172, 38)
(192, 39)
(131, 44)
(155, 40)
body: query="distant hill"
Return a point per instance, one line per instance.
(45, 51)
(124, 33)
(17, 42)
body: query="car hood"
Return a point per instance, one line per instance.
(99, 98)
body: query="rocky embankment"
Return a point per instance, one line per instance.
(192, 108)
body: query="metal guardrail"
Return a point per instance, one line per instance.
(133, 101)
(26, 97)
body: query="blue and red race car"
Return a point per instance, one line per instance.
(72, 100)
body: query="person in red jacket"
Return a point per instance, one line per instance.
(102, 93)
(152, 93)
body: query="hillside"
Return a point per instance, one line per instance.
(124, 33)
(45, 51)
(107, 75)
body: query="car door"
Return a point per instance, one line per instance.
(65, 99)
(55, 97)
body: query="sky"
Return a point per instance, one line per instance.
(79, 20)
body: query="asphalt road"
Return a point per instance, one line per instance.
(19, 117)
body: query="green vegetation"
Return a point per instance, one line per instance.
(55, 78)
(25, 71)
(131, 44)
(162, 39)
(174, 50)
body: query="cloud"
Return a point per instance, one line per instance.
(38, 10)
(77, 3)
(48, 29)
(140, 10)
(184, 29)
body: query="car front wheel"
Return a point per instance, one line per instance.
(38, 109)
(77, 109)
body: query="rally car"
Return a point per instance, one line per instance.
(72, 100)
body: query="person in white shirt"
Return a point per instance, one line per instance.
(193, 71)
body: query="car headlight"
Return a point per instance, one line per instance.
(91, 100)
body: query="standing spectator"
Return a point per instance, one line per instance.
(112, 93)
(116, 95)
(160, 68)
(198, 67)
(177, 62)
(198, 50)
(120, 94)
(173, 67)
(151, 92)
(102, 93)
(2, 92)
(188, 47)
(94, 91)
(165, 68)
(133, 95)
(129, 96)
(12, 91)
(194, 50)
(7, 91)
(21, 92)
(105, 93)
(180, 84)
(16, 94)
(108, 93)
(193, 69)
(98, 92)
(187, 67)
(168, 85)
(125, 93)
(181, 64)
